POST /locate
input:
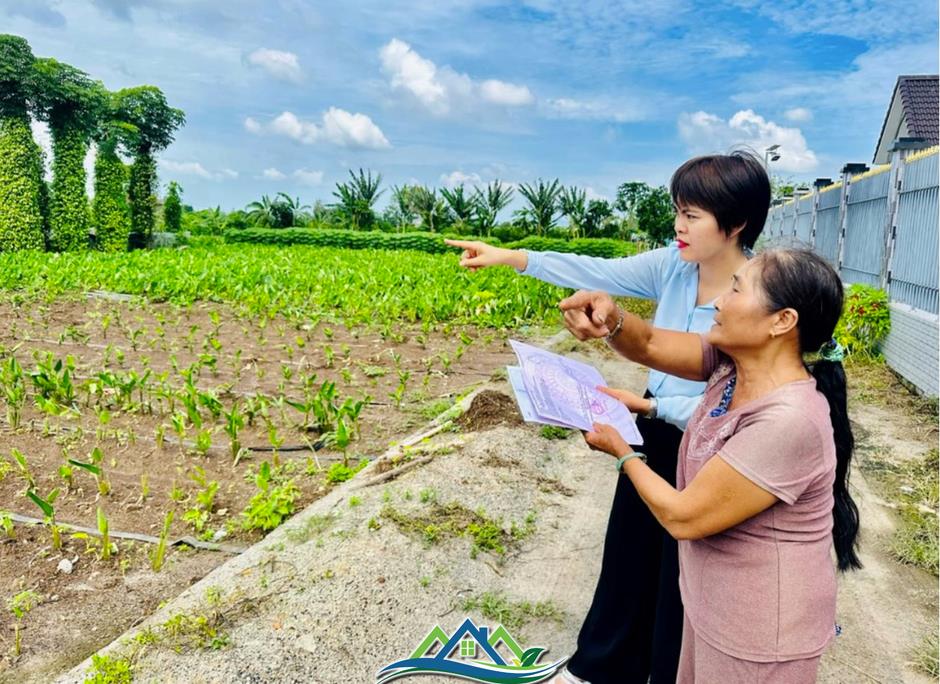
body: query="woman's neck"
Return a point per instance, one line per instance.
(761, 371)
(714, 275)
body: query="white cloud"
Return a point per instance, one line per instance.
(194, 168)
(798, 114)
(280, 64)
(311, 178)
(336, 126)
(500, 92)
(185, 168)
(594, 109)
(707, 133)
(273, 174)
(592, 194)
(441, 90)
(455, 178)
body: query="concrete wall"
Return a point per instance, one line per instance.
(911, 348)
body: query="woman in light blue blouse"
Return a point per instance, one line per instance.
(721, 205)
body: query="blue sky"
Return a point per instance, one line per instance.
(287, 95)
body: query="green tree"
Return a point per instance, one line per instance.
(21, 167)
(572, 203)
(542, 199)
(431, 209)
(400, 211)
(111, 216)
(155, 122)
(461, 207)
(72, 104)
(172, 208)
(357, 198)
(597, 219)
(488, 204)
(649, 207)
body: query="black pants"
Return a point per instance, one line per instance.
(633, 632)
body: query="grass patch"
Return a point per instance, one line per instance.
(554, 432)
(915, 542)
(872, 381)
(513, 615)
(926, 656)
(313, 526)
(445, 521)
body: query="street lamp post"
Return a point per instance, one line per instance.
(770, 154)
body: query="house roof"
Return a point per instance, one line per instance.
(920, 101)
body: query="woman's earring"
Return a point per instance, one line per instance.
(772, 334)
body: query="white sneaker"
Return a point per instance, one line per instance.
(564, 676)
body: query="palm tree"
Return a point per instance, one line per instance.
(430, 208)
(543, 203)
(487, 206)
(461, 205)
(572, 202)
(357, 197)
(261, 213)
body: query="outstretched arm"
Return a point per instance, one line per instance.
(590, 315)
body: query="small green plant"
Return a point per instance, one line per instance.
(272, 504)
(6, 524)
(554, 432)
(927, 656)
(95, 467)
(107, 669)
(234, 422)
(12, 379)
(107, 548)
(340, 472)
(865, 321)
(199, 515)
(48, 511)
(159, 551)
(20, 604)
(23, 467)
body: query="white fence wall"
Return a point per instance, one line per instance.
(880, 228)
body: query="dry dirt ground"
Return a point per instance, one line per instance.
(364, 573)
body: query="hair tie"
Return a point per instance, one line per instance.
(832, 351)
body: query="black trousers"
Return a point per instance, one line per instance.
(633, 632)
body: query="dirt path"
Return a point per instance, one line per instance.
(360, 577)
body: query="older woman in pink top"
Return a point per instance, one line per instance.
(762, 483)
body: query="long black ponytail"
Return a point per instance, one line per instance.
(803, 281)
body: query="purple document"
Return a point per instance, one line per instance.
(563, 391)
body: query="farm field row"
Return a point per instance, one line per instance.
(232, 387)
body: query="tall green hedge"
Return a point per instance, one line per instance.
(21, 218)
(432, 243)
(142, 194)
(111, 214)
(68, 205)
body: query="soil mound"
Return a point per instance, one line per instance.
(489, 409)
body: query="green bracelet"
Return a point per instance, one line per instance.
(633, 454)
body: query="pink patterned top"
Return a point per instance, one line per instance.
(764, 590)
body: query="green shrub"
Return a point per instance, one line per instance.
(172, 208)
(142, 194)
(865, 321)
(110, 211)
(21, 220)
(68, 205)
(431, 243)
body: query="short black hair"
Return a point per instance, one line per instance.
(734, 187)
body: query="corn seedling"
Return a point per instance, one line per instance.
(107, 548)
(23, 467)
(48, 512)
(6, 524)
(14, 390)
(159, 552)
(234, 422)
(20, 604)
(94, 466)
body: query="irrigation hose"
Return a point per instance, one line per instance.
(134, 536)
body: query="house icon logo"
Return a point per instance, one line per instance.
(471, 653)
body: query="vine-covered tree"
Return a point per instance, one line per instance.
(71, 103)
(110, 211)
(172, 208)
(21, 168)
(146, 108)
